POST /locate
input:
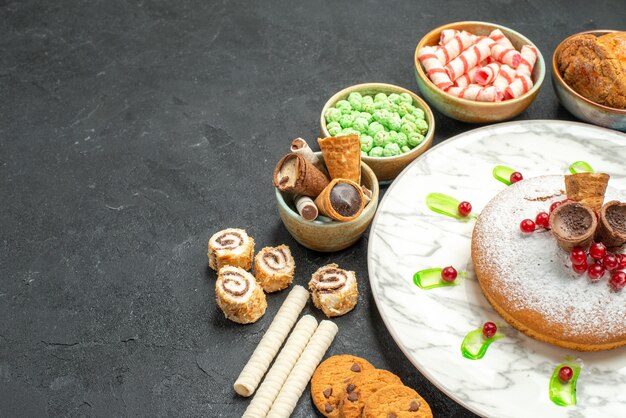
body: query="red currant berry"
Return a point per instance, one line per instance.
(610, 262)
(617, 280)
(578, 256)
(543, 220)
(595, 272)
(527, 226)
(489, 329)
(555, 205)
(580, 268)
(448, 274)
(515, 177)
(565, 374)
(464, 208)
(597, 251)
(622, 261)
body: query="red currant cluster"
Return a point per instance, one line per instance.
(542, 220)
(597, 262)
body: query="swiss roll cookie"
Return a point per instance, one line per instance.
(274, 267)
(232, 247)
(334, 290)
(342, 200)
(239, 296)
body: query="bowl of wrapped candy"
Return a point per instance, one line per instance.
(478, 72)
(394, 125)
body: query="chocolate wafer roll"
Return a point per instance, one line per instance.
(334, 290)
(232, 247)
(301, 147)
(612, 224)
(239, 296)
(273, 268)
(294, 174)
(342, 200)
(306, 208)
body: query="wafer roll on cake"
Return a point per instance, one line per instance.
(334, 290)
(342, 156)
(342, 200)
(301, 147)
(612, 224)
(232, 247)
(573, 225)
(239, 296)
(294, 174)
(587, 188)
(273, 268)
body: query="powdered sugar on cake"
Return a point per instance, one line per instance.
(534, 274)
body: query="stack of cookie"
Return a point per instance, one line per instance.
(346, 386)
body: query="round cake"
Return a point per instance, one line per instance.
(529, 281)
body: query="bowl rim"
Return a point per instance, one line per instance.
(370, 207)
(533, 90)
(556, 74)
(428, 138)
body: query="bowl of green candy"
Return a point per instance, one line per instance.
(394, 125)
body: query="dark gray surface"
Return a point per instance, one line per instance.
(132, 131)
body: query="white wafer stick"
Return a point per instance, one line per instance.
(277, 375)
(434, 68)
(529, 57)
(500, 38)
(253, 371)
(506, 75)
(301, 373)
(469, 58)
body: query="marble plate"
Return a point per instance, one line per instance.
(512, 379)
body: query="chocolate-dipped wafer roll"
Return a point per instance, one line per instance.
(301, 147)
(334, 290)
(573, 225)
(239, 296)
(612, 224)
(306, 207)
(273, 268)
(232, 247)
(294, 174)
(342, 200)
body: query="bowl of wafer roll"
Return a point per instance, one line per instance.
(326, 199)
(478, 72)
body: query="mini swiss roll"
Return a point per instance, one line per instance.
(273, 268)
(334, 290)
(239, 296)
(231, 247)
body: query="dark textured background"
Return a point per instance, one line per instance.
(130, 131)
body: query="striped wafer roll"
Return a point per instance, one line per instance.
(500, 38)
(529, 57)
(485, 75)
(453, 48)
(476, 93)
(447, 35)
(469, 58)
(434, 68)
(519, 86)
(506, 75)
(466, 79)
(508, 56)
(475, 38)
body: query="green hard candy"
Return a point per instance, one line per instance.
(333, 114)
(360, 124)
(406, 98)
(381, 97)
(382, 116)
(394, 98)
(381, 138)
(402, 140)
(349, 131)
(405, 108)
(407, 128)
(374, 128)
(414, 139)
(376, 152)
(395, 123)
(422, 126)
(367, 116)
(391, 150)
(409, 118)
(405, 149)
(367, 143)
(344, 106)
(418, 113)
(346, 120)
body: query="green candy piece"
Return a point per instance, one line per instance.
(368, 100)
(381, 97)
(414, 139)
(393, 107)
(350, 131)
(475, 345)
(355, 95)
(422, 126)
(391, 150)
(382, 116)
(402, 140)
(333, 114)
(392, 139)
(357, 104)
(406, 98)
(367, 143)
(334, 131)
(368, 116)
(369, 107)
(580, 167)
(376, 152)
(408, 127)
(418, 113)
(374, 128)
(344, 106)
(409, 118)
(395, 122)
(360, 124)
(381, 138)
(346, 120)
(394, 98)
(405, 109)
(405, 149)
